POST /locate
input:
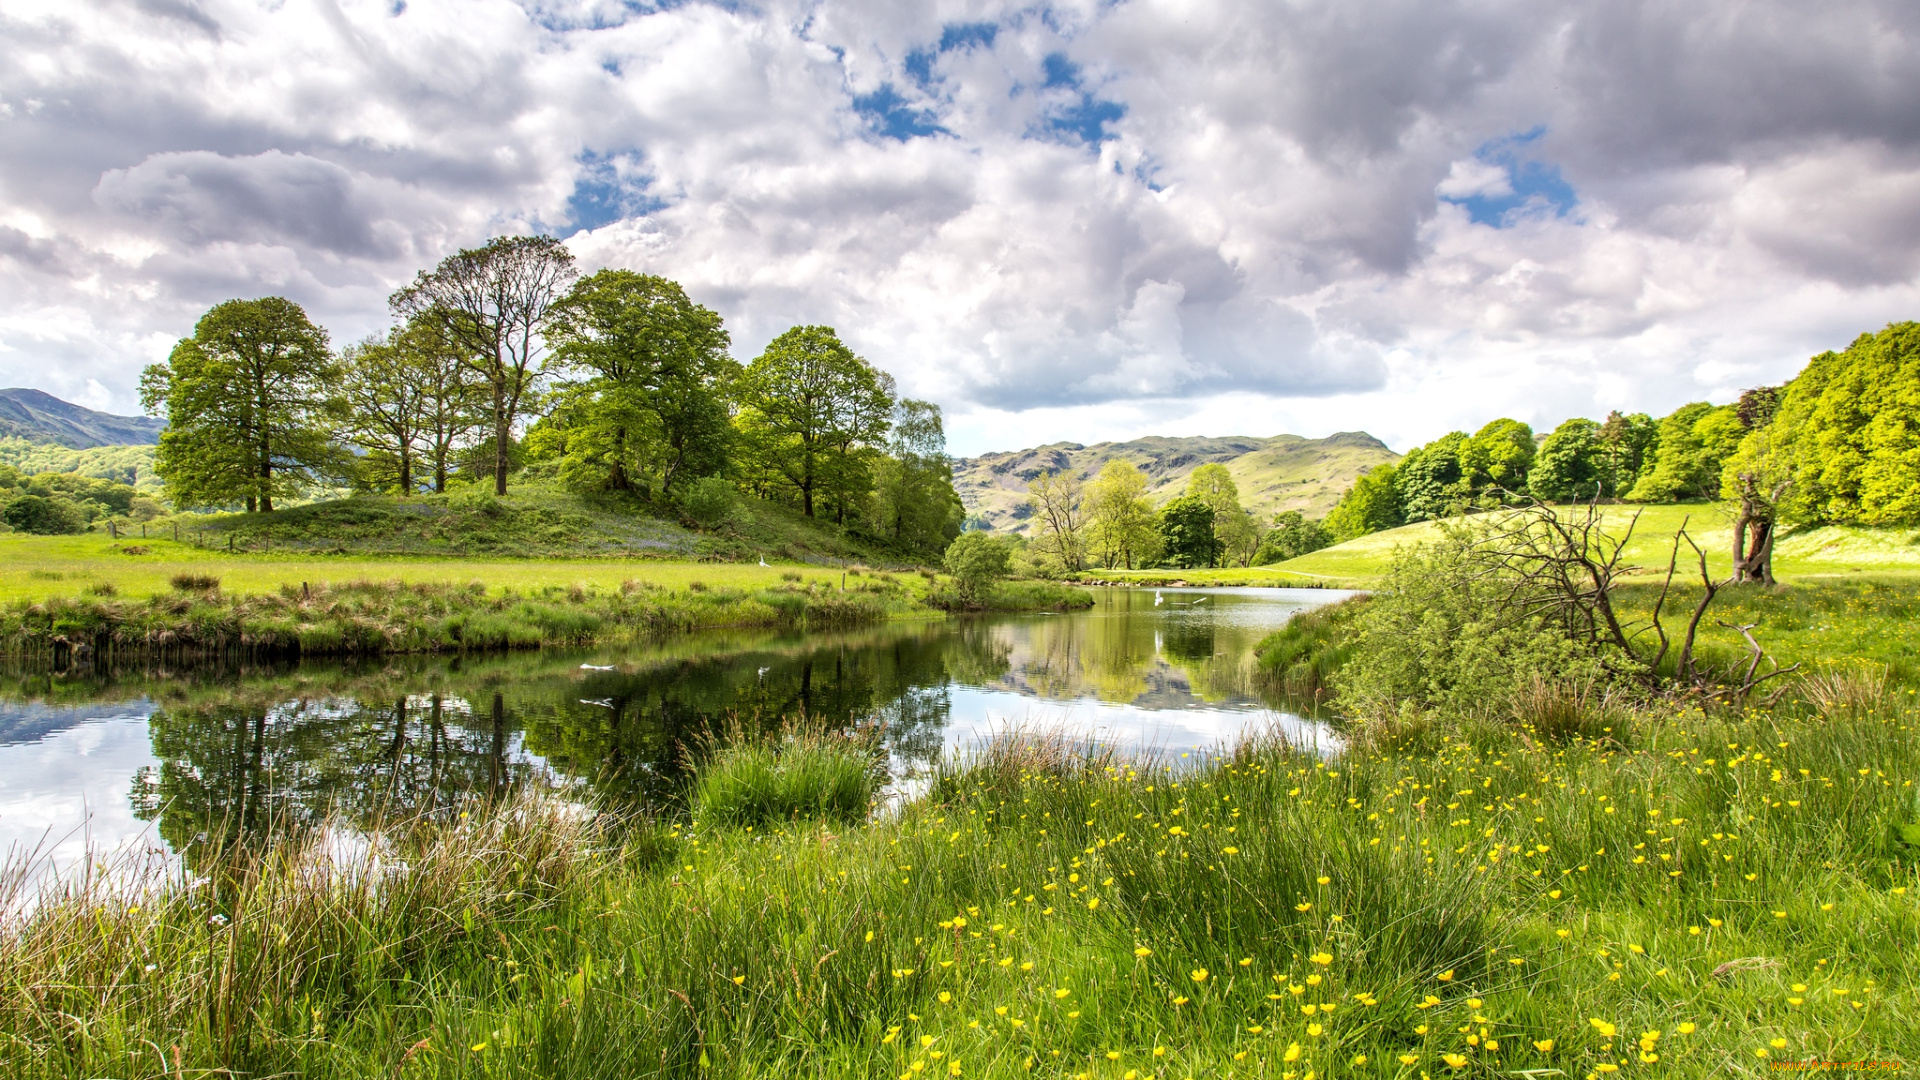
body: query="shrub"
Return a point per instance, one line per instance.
(475, 500)
(709, 501)
(977, 560)
(1441, 633)
(47, 516)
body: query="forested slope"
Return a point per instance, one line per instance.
(1286, 472)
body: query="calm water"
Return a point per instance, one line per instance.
(155, 762)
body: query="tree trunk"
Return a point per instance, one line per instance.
(1752, 540)
(406, 472)
(499, 444)
(253, 504)
(617, 478)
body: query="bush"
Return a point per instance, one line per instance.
(755, 780)
(45, 515)
(976, 561)
(709, 501)
(475, 500)
(1293, 534)
(1441, 633)
(194, 582)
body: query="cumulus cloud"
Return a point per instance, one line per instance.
(1069, 220)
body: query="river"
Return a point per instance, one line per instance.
(153, 764)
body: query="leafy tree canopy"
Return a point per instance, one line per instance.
(250, 406)
(809, 409)
(1186, 528)
(1848, 428)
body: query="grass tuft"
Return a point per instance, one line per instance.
(799, 773)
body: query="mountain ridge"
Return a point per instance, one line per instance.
(39, 417)
(1281, 472)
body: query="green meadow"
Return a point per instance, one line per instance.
(1700, 894)
(1834, 549)
(40, 567)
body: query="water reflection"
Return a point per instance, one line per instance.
(229, 750)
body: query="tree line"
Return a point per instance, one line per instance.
(1110, 521)
(1833, 446)
(502, 356)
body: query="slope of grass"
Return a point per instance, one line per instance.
(1833, 550)
(1706, 896)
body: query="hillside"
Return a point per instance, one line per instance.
(1286, 472)
(1834, 549)
(39, 417)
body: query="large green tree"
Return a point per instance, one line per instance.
(1626, 449)
(1121, 528)
(648, 401)
(1237, 533)
(1371, 504)
(1434, 480)
(1500, 455)
(493, 303)
(812, 411)
(1848, 430)
(1685, 461)
(250, 406)
(915, 507)
(1186, 528)
(1059, 505)
(1569, 466)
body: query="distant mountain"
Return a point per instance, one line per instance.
(39, 417)
(1286, 472)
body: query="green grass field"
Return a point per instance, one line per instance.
(39, 567)
(1832, 550)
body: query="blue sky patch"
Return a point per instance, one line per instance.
(610, 188)
(1531, 186)
(889, 114)
(1086, 120)
(1060, 71)
(966, 35)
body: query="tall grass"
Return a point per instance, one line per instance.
(1711, 888)
(1301, 657)
(802, 772)
(368, 618)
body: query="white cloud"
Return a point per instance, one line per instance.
(1077, 221)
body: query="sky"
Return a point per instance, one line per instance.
(1060, 221)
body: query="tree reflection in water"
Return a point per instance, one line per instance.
(428, 739)
(296, 745)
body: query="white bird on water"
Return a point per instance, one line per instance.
(1157, 599)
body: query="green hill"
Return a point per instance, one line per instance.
(39, 417)
(1286, 472)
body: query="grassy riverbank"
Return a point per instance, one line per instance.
(1699, 896)
(306, 614)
